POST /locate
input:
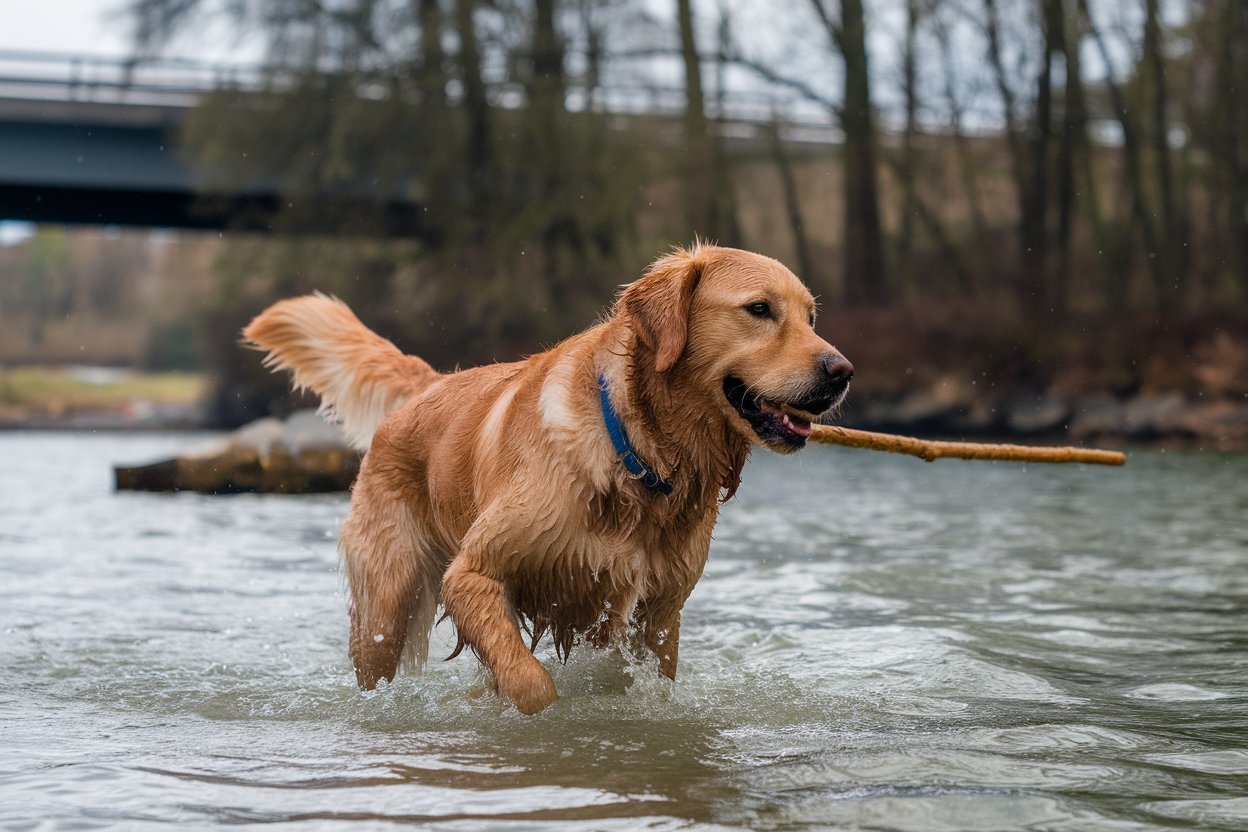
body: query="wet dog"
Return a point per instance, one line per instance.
(572, 493)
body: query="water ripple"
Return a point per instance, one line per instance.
(876, 644)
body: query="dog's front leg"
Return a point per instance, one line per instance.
(475, 598)
(662, 634)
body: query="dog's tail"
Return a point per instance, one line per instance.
(360, 376)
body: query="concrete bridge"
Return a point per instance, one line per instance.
(96, 141)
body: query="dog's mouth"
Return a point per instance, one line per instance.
(783, 424)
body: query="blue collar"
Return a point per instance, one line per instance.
(619, 438)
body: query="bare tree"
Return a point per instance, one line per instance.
(1232, 113)
(1133, 163)
(1028, 141)
(697, 162)
(708, 201)
(482, 168)
(907, 169)
(864, 238)
(1080, 187)
(1173, 243)
(968, 163)
(792, 200)
(907, 166)
(1062, 48)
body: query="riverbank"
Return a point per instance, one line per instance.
(949, 409)
(81, 397)
(951, 406)
(975, 372)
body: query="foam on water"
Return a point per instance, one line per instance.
(877, 643)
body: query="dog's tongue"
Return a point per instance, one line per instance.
(796, 424)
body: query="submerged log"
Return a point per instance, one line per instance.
(304, 455)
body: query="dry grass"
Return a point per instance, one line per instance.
(56, 391)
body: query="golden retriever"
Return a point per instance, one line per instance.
(573, 492)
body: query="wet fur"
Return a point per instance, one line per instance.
(495, 491)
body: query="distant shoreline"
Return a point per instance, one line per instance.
(1169, 421)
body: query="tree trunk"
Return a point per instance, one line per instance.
(479, 152)
(908, 165)
(432, 64)
(697, 167)
(723, 195)
(593, 58)
(968, 164)
(1014, 136)
(1035, 262)
(864, 240)
(547, 82)
(546, 88)
(1072, 128)
(1173, 254)
(545, 154)
(434, 142)
(1009, 106)
(1232, 69)
(1140, 214)
(792, 204)
(1081, 172)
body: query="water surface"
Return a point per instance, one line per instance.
(878, 643)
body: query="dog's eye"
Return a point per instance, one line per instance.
(761, 309)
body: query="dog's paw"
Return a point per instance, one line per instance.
(529, 687)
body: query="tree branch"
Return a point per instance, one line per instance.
(799, 86)
(835, 31)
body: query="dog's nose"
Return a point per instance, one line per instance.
(837, 368)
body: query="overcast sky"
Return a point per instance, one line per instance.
(99, 27)
(62, 26)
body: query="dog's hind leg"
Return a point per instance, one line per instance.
(393, 573)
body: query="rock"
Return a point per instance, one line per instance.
(983, 416)
(306, 429)
(1099, 414)
(947, 396)
(1222, 422)
(258, 436)
(921, 409)
(302, 455)
(869, 412)
(1144, 415)
(1036, 413)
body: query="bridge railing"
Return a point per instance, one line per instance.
(59, 76)
(179, 83)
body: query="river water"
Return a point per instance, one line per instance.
(878, 643)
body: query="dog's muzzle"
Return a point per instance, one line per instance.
(835, 373)
(787, 424)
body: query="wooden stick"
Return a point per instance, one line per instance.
(932, 450)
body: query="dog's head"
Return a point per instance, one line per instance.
(738, 328)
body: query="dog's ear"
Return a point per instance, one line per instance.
(658, 303)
